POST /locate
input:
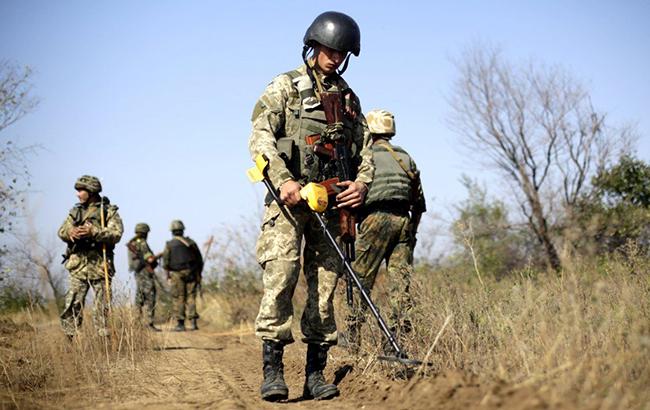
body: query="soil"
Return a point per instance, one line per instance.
(222, 370)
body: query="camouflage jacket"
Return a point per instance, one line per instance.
(84, 257)
(142, 252)
(278, 115)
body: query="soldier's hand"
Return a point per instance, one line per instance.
(353, 195)
(151, 259)
(85, 230)
(290, 193)
(73, 233)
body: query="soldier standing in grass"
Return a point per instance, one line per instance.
(91, 230)
(183, 262)
(390, 218)
(142, 262)
(289, 127)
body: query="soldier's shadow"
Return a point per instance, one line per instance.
(339, 375)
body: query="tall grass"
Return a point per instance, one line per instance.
(581, 336)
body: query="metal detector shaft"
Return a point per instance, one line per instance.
(364, 295)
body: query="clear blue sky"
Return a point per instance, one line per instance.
(155, 97)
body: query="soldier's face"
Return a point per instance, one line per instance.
(83, 196)
(329, 59)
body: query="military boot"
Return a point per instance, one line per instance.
(153, 328)
(180, 327)
(273, 387)
(194, 325)
(315, 385)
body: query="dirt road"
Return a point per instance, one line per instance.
(223, 371)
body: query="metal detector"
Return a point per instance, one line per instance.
(316, 197)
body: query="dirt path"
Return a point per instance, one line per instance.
(222, 371)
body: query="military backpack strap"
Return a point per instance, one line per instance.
(390, 149)
(182, 240)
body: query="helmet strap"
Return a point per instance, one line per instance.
(345, 65)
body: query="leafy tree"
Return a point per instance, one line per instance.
(484, 231)
(617, 209)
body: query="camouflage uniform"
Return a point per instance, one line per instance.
(386, 232)
(85, 262)
(145, 280)
(281, 121)
(182, 259)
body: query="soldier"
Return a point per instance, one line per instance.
(142, 262)
(183, 262)
(391, 215)
(91, 230)
(291, 128)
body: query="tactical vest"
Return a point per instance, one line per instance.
(181, 257)
(293, 145)
(390, 182)
(80, 215)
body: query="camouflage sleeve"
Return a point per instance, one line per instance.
(65, 229)
(366, 169)
(134, 260)
(165, 257)
(268, 120)
(112, 232)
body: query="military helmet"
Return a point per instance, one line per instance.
(335, 30)
(177, 225)
(142, 228)
(89, 183)
(381, 122)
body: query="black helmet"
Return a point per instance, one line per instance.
(335, 30)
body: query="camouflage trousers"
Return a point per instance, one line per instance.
(72, 315)
(183, 291)
(383, 236)
(145, 295)
(278, 252)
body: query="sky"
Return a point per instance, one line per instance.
(155, 97)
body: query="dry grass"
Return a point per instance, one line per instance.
(582, 337)
(579, 339)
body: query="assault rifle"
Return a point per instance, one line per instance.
(315, 195)
(148, 266)
(341, 155)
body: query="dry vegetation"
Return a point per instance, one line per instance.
(576, 339)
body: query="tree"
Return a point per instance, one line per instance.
(15, 102)
(617, 209)
(538, 127)
(483, 228)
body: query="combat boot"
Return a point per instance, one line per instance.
(180, 327)
(315, 385)
(153, 328)
(273, 387)
(194, 325)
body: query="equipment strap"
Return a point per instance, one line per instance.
(182, 240)
(390, 149)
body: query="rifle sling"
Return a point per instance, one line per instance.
(390, 149)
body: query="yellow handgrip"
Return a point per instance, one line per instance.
(316, 196)
(256, 174)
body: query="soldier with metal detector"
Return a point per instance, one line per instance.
(389, 222)
(309, 126)
(91, 230)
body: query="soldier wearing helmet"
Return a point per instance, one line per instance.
(143, 262)
(183, 262)
(390, 217)
(292, 123)
(91, 230)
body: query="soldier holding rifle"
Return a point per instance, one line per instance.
(142, 262)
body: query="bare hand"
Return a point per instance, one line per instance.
(74, 234)
(151, 259)
(84, 230)
(290, 193)
(353, 195)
